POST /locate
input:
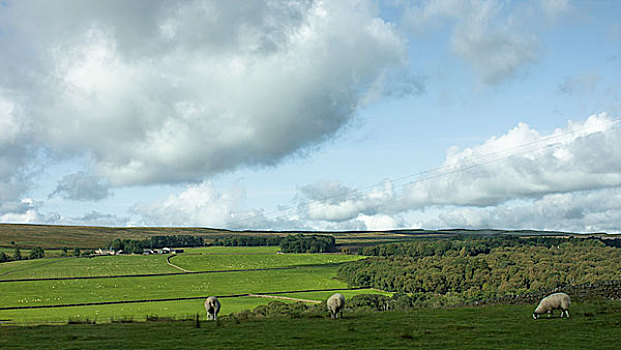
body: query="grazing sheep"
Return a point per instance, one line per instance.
(212, 306)
(554, 301)
(336, 304)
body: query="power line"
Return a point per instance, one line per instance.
(551, 141)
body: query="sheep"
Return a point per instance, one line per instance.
(212, 306)
(336, 304)
(554, 301)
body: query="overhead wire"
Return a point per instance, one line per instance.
(552, 141)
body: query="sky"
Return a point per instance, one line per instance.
(312, 115)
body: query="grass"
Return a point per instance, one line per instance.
(256, 260)
(592, 326)
(136, 312)
(85, 267)
(176, 286)
(221, 250)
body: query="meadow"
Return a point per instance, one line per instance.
(257, 260)
(299, 272)
(85, 267)
(139, 301)
(592, 326)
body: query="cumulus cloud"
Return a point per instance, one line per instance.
(566, 180)
(334, 202)
(523, 163)
(594, 211)
(202, 205)
(14, 155)
(159, 92)
(25, 211)
(81, 186)
(569, 179)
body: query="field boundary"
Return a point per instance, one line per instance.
(259, 294)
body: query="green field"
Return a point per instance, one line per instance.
(180, 309)
(255, 261)
(83, 267)
(121, 281)
(302, 272)
(220, 250)
(197, 259)
(158, 287)
(592, 326)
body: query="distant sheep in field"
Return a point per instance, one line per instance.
(336, 304)
(212, 306)
(556, 301)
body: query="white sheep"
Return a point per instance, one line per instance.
(556, 301)
(336, 304)
(212, 306)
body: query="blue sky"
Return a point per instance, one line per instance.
(312, 115)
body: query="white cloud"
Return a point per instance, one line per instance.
(202, 205)
(81, 186)
(331, 201)
(594, 211)
(495, 52)
(566, 180)
(584, 156)
(159, 92)
(26, 211)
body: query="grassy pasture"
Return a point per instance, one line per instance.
(56, 292)
(255, 261)
(221, 250)
(160, 287)
(592, 326)
(180, 309)
(86, 267)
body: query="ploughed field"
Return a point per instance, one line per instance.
(595, 325)
(135, 287)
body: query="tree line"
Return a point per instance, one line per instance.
(248, 241)
(471, 246)
(134, 246)
(297, 243)
(35, 253)
(479, 268)
(307, 244)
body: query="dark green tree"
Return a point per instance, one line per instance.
(17, 255)
(3, 257)
(36, 253)
(76, 252)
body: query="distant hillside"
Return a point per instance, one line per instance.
(52, 236)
